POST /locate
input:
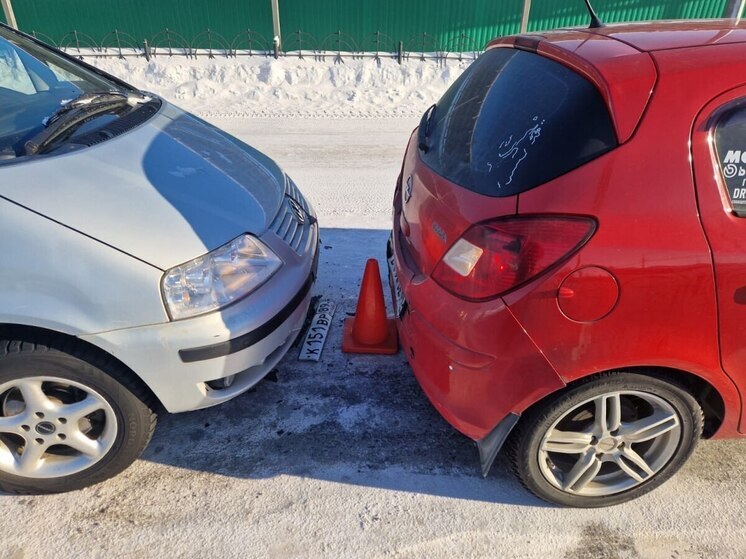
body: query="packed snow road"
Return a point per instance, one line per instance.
(345, 457)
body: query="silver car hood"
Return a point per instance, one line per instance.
(165, 192)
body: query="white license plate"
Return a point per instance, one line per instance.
(313, 344)
(397, 295)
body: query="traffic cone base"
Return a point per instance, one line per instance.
(370, 330)
(389, 346)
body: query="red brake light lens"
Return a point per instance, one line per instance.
(493, 258)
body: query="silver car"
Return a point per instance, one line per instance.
(149, 261)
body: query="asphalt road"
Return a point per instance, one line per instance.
(346, 458)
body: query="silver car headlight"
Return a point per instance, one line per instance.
(218, 278)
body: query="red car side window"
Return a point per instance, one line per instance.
(730, 144)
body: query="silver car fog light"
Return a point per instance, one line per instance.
(223, 383)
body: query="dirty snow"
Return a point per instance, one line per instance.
(346, 458)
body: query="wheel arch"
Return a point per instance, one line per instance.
(81, 349)
(706, 394)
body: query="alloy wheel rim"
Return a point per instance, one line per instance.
(610, 443)
(52, 427)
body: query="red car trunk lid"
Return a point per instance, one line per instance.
(436, 212)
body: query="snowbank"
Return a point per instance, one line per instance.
(290, 87)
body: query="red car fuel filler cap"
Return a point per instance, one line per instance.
(588, 294)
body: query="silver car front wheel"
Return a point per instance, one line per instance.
(69, 416)
(607, 440)
(52, 427)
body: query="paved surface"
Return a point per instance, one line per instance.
(346, 458)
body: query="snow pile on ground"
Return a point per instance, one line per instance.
(290, 87)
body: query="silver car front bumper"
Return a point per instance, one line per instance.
(178, 359)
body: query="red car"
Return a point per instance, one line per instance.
(568, 256)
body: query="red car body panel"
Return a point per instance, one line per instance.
(654, 286)
(725, 233)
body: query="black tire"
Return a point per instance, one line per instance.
(525, 443)
(68, 360)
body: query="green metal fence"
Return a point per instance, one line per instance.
(549, 14)
(142, 18)
(344, 25)
(428, 25)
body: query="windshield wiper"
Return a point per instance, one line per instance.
(423, 134)
(72, 114)
(92, 97)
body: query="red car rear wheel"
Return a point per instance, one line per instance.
(607, 440)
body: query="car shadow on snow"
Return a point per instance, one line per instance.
(350, 419)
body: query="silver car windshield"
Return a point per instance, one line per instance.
(34, 83)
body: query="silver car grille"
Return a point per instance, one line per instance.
(294, 220)
(292, 191)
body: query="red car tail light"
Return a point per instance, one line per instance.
(495, 257)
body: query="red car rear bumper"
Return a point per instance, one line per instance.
(474, 385)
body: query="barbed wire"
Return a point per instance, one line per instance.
(338, 46)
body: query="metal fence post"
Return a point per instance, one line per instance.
(378, 45)
(526, 14)
(146, 49)
(734, 9)
(119, 43)
(276, 23)
(10, 17)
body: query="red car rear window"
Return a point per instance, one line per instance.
(512, 121)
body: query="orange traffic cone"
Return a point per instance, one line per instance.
(370, 331)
